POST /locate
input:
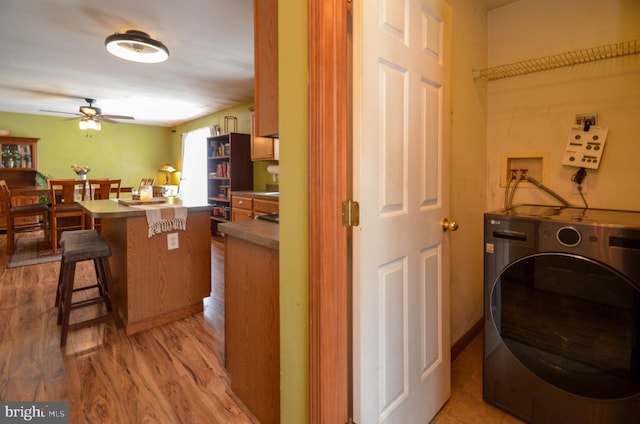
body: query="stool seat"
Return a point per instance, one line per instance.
(84, 245)
(83, 248)
(76, 233)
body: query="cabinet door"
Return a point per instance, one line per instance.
(241, 215)
(264, 206)
(262, 148)
(266, 66)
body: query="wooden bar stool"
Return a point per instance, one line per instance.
(81, 248)
(66, 235)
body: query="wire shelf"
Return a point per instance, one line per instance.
(559, 60)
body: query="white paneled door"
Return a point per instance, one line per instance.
(401, 268)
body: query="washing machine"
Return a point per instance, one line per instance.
(562, 314)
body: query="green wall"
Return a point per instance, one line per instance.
(126, 151)
(294, 241)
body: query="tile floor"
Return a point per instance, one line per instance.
(466, 405)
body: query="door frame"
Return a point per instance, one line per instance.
(329, 301)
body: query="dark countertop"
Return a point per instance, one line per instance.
(265, 195)
(263, 233)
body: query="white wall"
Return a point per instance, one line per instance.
(533, 113)
(468, 163)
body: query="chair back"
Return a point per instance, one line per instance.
(102, 188)
(63, 192)
(5, 196)
(146, 182)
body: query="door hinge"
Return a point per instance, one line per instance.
(350, 213)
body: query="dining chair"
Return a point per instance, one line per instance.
(65, 213)
(31, 213)
(101, 189)
(147, 181)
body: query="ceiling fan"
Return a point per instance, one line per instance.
(92, 113)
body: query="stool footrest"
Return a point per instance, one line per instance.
(88, 302)
(89, 322)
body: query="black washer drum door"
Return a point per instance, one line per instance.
(571, 321)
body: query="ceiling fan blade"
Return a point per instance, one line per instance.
(115, 117)
(102, 119)
(58, 111)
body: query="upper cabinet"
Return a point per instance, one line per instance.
(266, 67)
(262, 148)
(18, 166)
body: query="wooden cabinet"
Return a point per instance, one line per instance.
(261, 206)
(252, 331)
(265, 18)
(262, 148)
(18, 169)
(246, 207)
(241, 208)
(229, 168)
(19, 158)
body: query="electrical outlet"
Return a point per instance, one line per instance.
(172, 241)
(574, 188)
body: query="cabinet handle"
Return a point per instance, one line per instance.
(241, 202)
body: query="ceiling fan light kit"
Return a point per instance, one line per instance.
(136, 46)
(90, 124)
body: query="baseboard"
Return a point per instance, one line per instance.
(466, 338)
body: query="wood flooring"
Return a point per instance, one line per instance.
(170, 374)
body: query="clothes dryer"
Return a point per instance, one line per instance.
(562, 314)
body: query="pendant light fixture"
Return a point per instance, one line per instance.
(136, 46)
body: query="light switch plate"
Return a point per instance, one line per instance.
(172, 241)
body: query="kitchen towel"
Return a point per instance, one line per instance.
(164, 218)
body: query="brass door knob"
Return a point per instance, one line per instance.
(449, 225)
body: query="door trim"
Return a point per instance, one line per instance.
(328, 187)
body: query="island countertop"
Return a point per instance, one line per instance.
(110, 208)
(256, 231)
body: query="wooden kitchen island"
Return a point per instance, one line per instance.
(155, 285)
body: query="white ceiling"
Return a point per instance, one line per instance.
(52, 57)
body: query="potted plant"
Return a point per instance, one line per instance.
(16, 159)
(7, 159)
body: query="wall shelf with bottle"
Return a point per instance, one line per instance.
(229, 168)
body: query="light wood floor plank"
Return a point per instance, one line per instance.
(169, 374)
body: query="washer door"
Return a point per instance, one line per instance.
(571, 321)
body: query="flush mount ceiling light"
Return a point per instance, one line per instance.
(136, 46)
